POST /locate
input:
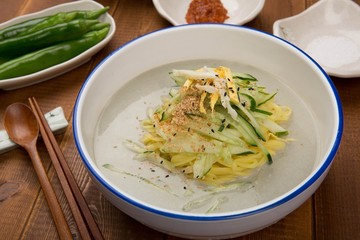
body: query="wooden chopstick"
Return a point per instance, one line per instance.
(84, 219)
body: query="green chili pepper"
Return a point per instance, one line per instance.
(99, 26)
(64, 17)
(91, 14)
(20, 45)
(50, 56)
(42, 22)
(15, 29)
(4, 59)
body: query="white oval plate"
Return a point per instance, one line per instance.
(18, 82)
(239, 11)
(329, 31)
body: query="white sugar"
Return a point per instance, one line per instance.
(334, 51)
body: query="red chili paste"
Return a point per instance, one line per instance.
(206, 11)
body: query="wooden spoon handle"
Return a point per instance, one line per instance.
(55, 208)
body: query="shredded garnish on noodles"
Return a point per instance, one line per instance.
(216, 126)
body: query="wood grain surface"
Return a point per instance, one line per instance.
(333, 212)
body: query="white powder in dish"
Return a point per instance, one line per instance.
(333, 51)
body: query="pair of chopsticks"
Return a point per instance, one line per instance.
(86, 224)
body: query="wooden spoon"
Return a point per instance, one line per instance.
(23, 128)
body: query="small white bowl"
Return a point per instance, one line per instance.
(18, 82)
(329, 31)
(239, 11)
(125, 87)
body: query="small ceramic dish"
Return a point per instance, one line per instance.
(239, 11)
(18, 82)
(329, 31)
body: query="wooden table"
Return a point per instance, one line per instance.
(333, 212)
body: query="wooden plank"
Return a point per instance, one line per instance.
(13, 9)
(274, 10)
(337, 201)
(23, 209)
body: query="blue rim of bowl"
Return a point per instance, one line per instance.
(225, 216)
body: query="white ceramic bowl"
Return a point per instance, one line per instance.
(46, 74)
(121, 88)
(239, 11)
(329, 31)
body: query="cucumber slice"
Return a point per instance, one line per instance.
(252, 121)
(179, 80)
(247, 101)
(265, 98)
(173, 92)
(274, 127)
(211, 131)
(203, 164)
(243, 76)
(247, 137)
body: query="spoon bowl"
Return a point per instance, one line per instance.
(21, 124)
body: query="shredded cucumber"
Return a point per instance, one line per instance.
(214, 117)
